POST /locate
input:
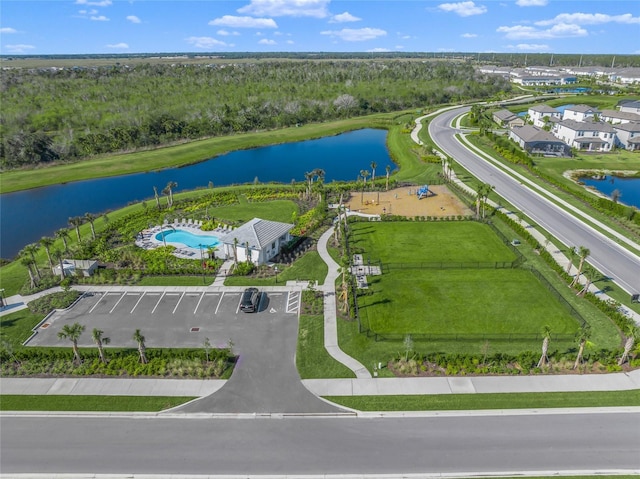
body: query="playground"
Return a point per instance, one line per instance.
(407, 201)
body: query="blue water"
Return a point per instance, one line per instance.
(571, 90)
(26, 216)
(628, 187)
(188, 239)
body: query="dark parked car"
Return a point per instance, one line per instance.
(250, 298)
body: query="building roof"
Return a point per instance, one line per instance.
(544, 109)
(622, 115)
(530, 133)
(504, 115)
(588, 126)
(581, 109)
(258, 233)
(632, 127)
(629, 103)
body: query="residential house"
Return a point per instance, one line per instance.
(538, 141)
(586, 135)
(628, 135)
(507, 119)
(540, 115)
(258, 240)
(614, 116)
(579, 112)
(630, 106)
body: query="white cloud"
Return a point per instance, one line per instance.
(378, 50)
(524, 32)
(590, 19)
(93, 11)
(225, 33)
(464, 9)
(19, 48)
(287, 8)
(205, 42)
(531, 3)
(100, 18)
(8, 30)
(94, 3)
(344, 18)
(469, 35)
(134, 19)
(529, 47)
(399, 47)
(243, 22)
(290, 42)
(118, 46)
(267, 41)
(356, 35)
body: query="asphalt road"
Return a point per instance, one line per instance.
(608, 257)
(298, 446)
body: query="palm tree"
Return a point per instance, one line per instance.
(632, 332)
(571, 254)
(156, 196)
(373, 171)
(58, 255)
(28, 262)
(308, 176)
(583, 252)
(168, 190)
(63, 234)
(139, 338)
(76, 221)
(235, 251)
(582, 338)
(364, 174)
(485, 196)
(72, 333)
(615, 195)
(544, 358)
(91, 218)
(31, 250)
(248, 252)
(388, 170)
(46, 243)
(319, 173)
(589, 274)
(96, 335)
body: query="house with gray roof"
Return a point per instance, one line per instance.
(614, 116)
(630, 106)
(628, 135)
(579, 112)
(507, 118)
(586, 135)
(257, 240)
(540, 115)
(538, 141)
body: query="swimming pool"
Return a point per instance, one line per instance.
(188, 239)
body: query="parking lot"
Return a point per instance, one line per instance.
(169, 318)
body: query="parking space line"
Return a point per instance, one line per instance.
(102, 295)
(199, 301)
(220, 301)
(293, 301)
(178, 304)
(137, 302)
(159, 299)
(118, 302)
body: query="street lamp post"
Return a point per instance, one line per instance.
(276, 269)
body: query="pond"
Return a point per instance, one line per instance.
(629, 188)
(26, 216)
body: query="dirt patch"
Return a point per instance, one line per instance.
(405, 202)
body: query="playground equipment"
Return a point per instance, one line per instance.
(423, 192)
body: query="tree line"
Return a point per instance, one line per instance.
(68, 114)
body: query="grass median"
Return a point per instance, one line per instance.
(90, 403)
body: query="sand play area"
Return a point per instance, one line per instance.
(405, 202)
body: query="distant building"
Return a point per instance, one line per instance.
(258, 240)
(538, 141)
(507, 119)
(579, 112)
(74, 267)
(630, 106)
(614, 116)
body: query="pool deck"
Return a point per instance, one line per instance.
(147, 238)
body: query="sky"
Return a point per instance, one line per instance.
(30, 27)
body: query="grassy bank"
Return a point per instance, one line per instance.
(90, 403)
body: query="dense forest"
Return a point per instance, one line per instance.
(71, 113)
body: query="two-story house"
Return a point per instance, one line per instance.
(541, 115)
(579, 112)
(586, 135)
(614, 116)
(538, 141)
(628, 135)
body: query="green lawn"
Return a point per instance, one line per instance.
(90, 403)
(312, 359)
(16, 328)
(308, 268)
(472, 302)
(452, 402)
(416, 242)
